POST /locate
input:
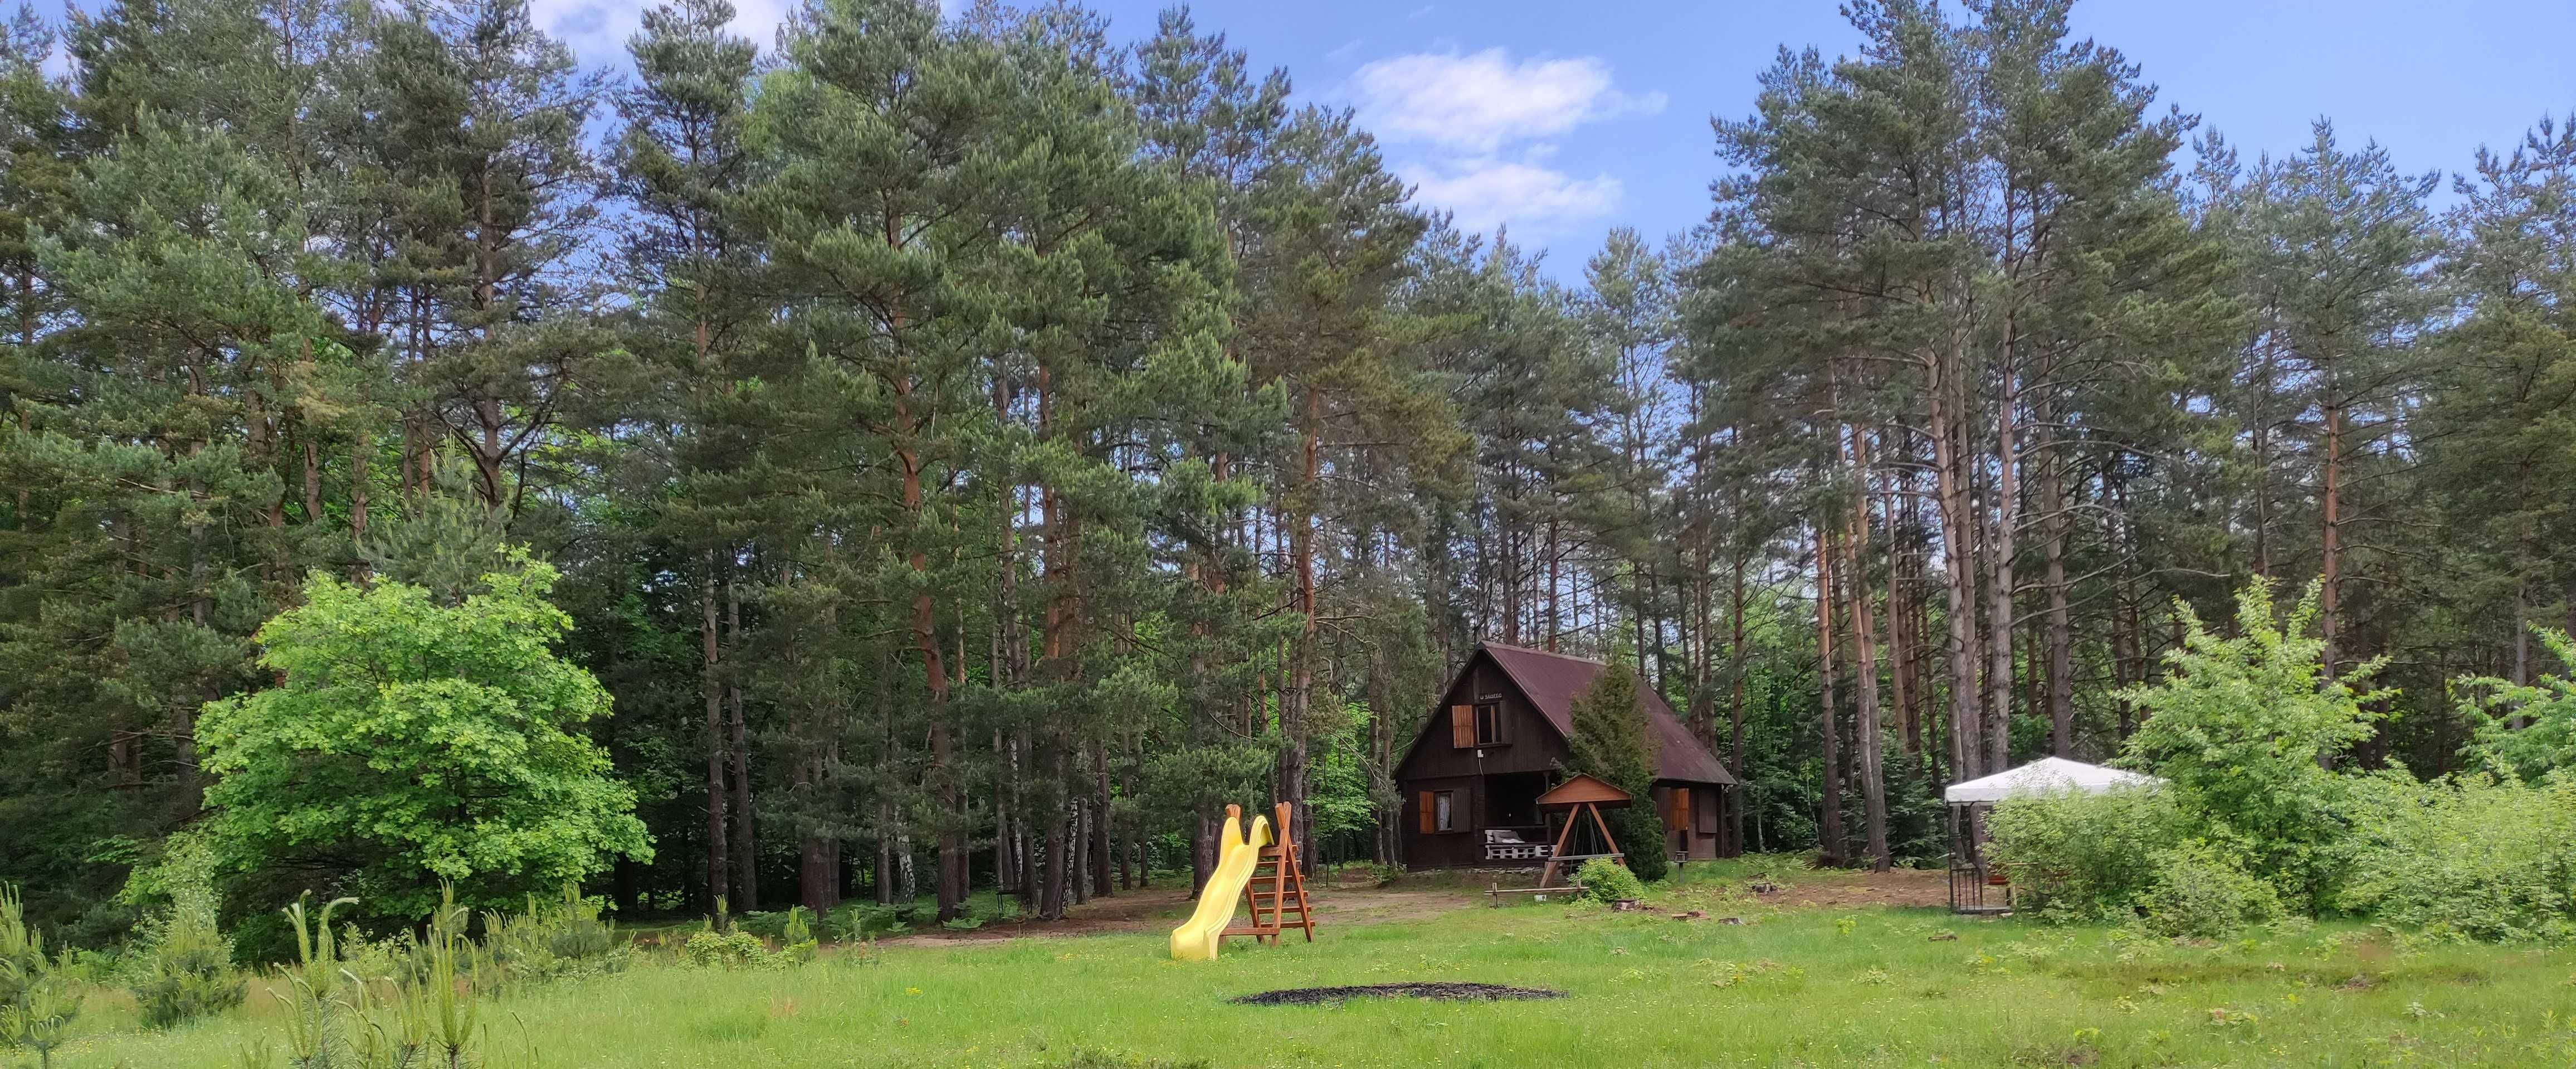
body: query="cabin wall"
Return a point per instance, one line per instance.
(1704, 838)
(1461, 848)
(1528, 744)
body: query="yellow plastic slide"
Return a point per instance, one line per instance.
(1236, 856)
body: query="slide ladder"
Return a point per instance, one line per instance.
(1257, 870)
(1278, 877)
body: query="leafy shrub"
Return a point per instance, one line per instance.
(767, 924)
(2242, 727)
(859, 921)
(2524, 730)
(2490, 859)
(2202, 889)
(711, 949)
(2084, 857)
(787, 927)
(1605, 880)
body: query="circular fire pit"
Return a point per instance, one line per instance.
(1456, 992)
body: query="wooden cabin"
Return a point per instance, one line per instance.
(1471, 781)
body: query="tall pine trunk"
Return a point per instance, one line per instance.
(1296, 701)
(1829, 826)
(1865, 727)
(2006, 512)
(746, 855)
(711, 687)
(1959, 565)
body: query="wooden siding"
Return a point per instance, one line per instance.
(1462, 848)
(1529, 744)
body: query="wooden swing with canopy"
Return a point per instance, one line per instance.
(1578, 802)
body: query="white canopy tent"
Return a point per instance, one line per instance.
(1971, 878)
(2048, 775)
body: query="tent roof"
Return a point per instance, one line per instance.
(2048, 775)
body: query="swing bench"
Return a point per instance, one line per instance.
(1585, 834)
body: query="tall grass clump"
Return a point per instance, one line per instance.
(557, 940)
(417, 1000)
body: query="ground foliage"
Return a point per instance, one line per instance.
(1096, 461)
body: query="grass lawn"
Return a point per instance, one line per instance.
(1792, 985)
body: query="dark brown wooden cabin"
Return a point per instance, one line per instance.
(1496, 741)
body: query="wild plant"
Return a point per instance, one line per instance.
(316, 1035)
(446, 989)
(187, 970)
(36, 1005)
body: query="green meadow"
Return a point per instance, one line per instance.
(1792, 984)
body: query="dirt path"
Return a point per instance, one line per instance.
(1162, 908)
(1840, 890)
(1430, 895)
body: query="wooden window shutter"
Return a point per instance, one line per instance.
(1681, 809)
(1422, 803)
(1462, 727)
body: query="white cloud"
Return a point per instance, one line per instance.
(1486, 193)
(1479, 102)
(597, 30)
(1458, 113)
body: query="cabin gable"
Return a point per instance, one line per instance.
(1469, 783)
(1482, 725)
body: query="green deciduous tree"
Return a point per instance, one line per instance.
(410, 741)
(2246, 727)
(2525, 730)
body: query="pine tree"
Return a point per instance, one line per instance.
(679, 160)
(1339, 235)
(1610, 743)
(2500, 405)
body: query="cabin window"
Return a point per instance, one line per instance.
(1489, 724)
(1444, 810)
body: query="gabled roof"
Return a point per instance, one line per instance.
(1582, 788)
(1552, 681)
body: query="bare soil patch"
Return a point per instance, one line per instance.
(1838, 890)
(1456, 992)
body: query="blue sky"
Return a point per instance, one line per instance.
(1563, 120)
